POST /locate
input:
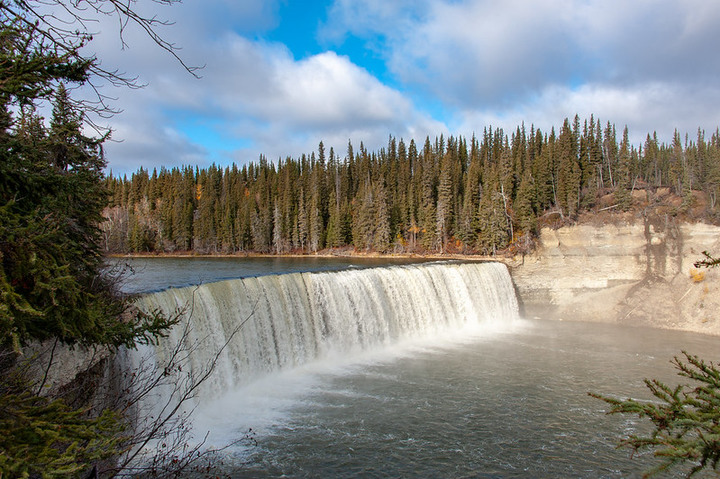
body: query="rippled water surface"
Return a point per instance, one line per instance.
(509, 402)
(505, 404)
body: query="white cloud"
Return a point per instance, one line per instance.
(649, 64)
(258, 92)
(652, 107)
(328, 89)
(484, 52)
(295, 104)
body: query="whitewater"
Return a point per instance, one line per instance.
(280, 322)
(422, 370)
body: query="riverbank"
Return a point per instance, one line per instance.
(631, 270)
(635, 273)
(328, 253)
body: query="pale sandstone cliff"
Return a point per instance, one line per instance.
(639, 273)
(630, 273)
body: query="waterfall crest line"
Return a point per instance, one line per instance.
(299, 317)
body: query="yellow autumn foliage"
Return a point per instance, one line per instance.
(697, 276)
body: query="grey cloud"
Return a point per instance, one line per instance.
(484, 53)
(498, 63)
(652, 107)
(249, 90)
(143, 137)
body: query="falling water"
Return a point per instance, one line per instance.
(405, 371)
(284, 321)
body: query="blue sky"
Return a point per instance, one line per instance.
(280, 76)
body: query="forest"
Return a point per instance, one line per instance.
(481, 195)
(60, 214)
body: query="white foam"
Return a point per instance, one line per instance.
(303, 327)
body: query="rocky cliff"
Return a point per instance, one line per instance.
(631, 272)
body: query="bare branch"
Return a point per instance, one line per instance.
(60, 29)
(47, 369)
(169, 427)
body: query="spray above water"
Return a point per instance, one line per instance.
(399, 371)
(293, 319)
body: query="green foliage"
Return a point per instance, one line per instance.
(708, 262)
(29, 65)
(52, 195)
(527, 218)
(434, 200)
(623, 195)
(686, 418)
(43, 437)
(51, 199)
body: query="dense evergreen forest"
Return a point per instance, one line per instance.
(478, 195)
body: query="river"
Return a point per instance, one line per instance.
(494, 398)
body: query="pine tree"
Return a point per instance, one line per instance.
(431, 198)
(381, 220)
(334, 237)
(302, 222)
(278, 243)
(493, 234)
(569, 172)
(51, 198)
(544, 171)
(471, 197)
(622, 191)
(316, 225)
(52, 193)
(428, 217)
(524, 206)
(610, 156)
(685, 418)
(713, 168)
(444, 210)
(204, 225)
(363, 228)
(260, 226)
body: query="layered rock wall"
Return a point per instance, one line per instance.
(639, 273)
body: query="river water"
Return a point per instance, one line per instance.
(492, 402)
(144, 275)
(505, 404)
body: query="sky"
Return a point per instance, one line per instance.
(279, 76)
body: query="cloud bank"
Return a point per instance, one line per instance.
(449, 67)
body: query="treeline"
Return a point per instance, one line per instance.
(476, 195)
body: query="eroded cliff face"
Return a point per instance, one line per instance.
(640, 273)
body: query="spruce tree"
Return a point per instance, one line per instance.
(431, 198)
(622, 174)
(525, 204)
(381, 220)
(428, 216)
(52, 192)
(685, 418)
(444, 210)
(712, 186)
(471, 197)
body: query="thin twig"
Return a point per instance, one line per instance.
(47, 370)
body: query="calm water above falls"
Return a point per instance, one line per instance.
(498, 399)
(144, 275)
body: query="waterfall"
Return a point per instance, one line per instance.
(291, 319)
